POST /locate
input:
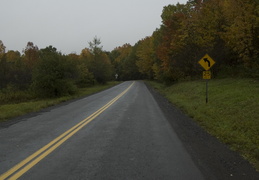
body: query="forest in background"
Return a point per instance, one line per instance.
(228, 30)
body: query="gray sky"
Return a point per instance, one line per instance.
(69, 25)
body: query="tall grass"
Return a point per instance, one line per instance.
(18, 103)
(8, 96)
(231, 115)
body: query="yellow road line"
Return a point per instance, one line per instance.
(36, 157)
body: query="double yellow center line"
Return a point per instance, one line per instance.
(19, 169)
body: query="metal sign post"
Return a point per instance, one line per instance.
(207, 92)
(207, 62)
(207, 77)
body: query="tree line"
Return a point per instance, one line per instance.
(228, 30)
(49, 73)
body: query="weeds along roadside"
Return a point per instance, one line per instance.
(14, 104)
(231, 114)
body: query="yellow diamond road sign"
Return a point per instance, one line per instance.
(206, 62)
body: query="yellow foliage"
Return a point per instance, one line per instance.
(145, 53)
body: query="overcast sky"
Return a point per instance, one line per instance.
(69, 25)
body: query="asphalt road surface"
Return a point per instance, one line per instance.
(126, 132)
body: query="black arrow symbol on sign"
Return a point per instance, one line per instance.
(206, 60)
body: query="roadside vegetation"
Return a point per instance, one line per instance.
(20, 103)
(231, 114)
(44, 77)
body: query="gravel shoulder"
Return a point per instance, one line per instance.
(211, 156)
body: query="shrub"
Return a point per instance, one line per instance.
(52, 76)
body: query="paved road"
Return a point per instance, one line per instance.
(120, 133)
(129, 140)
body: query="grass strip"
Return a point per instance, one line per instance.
(231, 114)
(8, 111)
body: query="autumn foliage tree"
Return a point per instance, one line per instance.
(13, 74)
(228, 30)
(31, 55)
(146, 57)
(82, 76)
(3, 66)
(242, 30)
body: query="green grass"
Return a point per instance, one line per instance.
(11, 110)
(231, 115)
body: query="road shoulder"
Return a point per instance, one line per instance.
(211, 156)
